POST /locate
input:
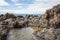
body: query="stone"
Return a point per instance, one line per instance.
(48, 34)
(50, 21)
(51, 18)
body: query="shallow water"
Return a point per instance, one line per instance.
(20, 34)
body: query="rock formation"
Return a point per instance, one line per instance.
(48, 34)
(50, 22)
(51, 18)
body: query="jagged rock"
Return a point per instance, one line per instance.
(3, 32)
(7, 15)
(51, 18)
(16, 25)
(48, 34)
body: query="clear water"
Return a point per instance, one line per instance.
(21, 34)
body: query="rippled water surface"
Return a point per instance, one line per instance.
(20, 34)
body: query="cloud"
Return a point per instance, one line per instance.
(38, 7)
(24, 1)
(21, 11)
(32, 9)
(3, 3)
(47, 1)
(14, 1)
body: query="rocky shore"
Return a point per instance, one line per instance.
(48, 22)
(51, 23)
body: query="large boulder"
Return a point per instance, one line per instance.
(50, 22)
(51, 18)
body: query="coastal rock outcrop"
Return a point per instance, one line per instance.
(49, 22)
(51, 18)
(48, 34)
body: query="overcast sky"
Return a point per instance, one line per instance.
(26, 6)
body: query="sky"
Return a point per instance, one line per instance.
(26, 6)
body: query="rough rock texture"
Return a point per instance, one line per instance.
(51, 18)
(51, 23)
(9, 21)
(48, 34)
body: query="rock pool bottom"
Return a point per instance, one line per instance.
(20, 34)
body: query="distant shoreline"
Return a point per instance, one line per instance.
(24, 14)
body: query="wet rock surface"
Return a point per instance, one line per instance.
(49, 22)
